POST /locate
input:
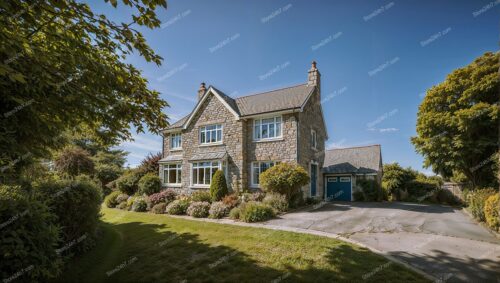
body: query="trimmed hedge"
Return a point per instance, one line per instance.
(492, 211)
(284, 178)
(218, 187)
(256, 212)
(149, 184)
(29, 237)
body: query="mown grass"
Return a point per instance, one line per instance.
(142, 247)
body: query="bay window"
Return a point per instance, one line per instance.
(172, 174)
(202, 172)
(259, 168)
(267, 128)
(211, 134)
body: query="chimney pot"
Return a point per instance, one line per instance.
(201, 90)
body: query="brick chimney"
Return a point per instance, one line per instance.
(201, 91)
(314, 77)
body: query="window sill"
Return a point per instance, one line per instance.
(172, 185)
(176, 149)
(254, 187)
(200, 187)
(211, 144)
(269, 140)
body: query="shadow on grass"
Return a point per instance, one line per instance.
(141, 252)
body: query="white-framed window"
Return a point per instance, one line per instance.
(172, 174)
(345, 179)
(314, 142)
(176, 141)
(267, 128)
(202, 172)
(211, 134)
(258, 168)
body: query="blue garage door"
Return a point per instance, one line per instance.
(338, 188)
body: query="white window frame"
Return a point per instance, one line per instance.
(174, 136)
(177, 168)
(256, 165)
(203, 129)
(197, 165)
(314, 139)
(258, 123)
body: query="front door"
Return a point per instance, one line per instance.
(314, 175)
(338, 188)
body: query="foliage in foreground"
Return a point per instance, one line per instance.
(149, 184)
(256, 212)
(477, 200)
(284, 178)
(29, 236)
(218, 187)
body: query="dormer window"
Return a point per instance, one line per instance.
(211, 134)
(267, 128)
(176, 141)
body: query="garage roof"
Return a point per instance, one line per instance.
(357, 160)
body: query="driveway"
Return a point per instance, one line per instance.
(439, 240)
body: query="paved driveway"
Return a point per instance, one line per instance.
(440, 240)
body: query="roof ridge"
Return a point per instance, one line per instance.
(270, 91)
(371, 145)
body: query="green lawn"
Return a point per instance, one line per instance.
(143, 247)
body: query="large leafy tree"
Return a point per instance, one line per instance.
(458, 125)
(62, 67)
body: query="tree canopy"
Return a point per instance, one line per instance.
(457, 123)
(63, 67)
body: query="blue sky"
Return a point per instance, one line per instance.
(377, 58)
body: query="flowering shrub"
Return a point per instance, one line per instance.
(122, 205)
(111, 199)
(198, 209)
(218, 210)
(255, 212)
(278, 202)
(121, 198)
(201, 196)
(231, 200)
(257, 196)
(235, 213)
(177, 207)
(166, 196)
(159, 208)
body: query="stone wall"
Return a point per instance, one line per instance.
(212, 112)
(312, 119)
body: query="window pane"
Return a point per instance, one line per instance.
(264, 131)
(268, 121)
(202, 137)
(207, 176)
(256, 175)
(271, 131)
(172, 176)
(201, 176)
(278, 128)
(195, 176)
(165, 176)
(179, 174)
(219, 135)
(209, 133)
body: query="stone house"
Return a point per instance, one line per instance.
(245, 136)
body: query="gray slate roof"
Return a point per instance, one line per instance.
(209, 156)
(357, 160)
(271, 101)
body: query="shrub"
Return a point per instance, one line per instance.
(128, 182)
(159, 208)
(231, 200)
(371, 189)
(297, 199)
(123, 205)
(198, 209)
(492, 211)
(284, 178)
(447, 197)
(218, 210)
(122, 198)
(177, 207)
(166, 196)
(477, 199)
(201, 196)
(218, 187)
(111, 199)
(150, 163)
(28, 236)
(74, 161)
(278, 202)
(358, 196)
(235, 213)
(107, 173)
(77, 205)
(257, 196)
(139, 204)
(149, 184)
(312, 200)
(256, 212)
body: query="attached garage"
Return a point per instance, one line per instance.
(343, 166)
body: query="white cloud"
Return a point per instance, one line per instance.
(386, 130)
(142, 143)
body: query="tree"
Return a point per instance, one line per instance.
(218, 187)
(150, 163)
(457, 123)
(63, 67)
(284, 178)
(74, 161)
